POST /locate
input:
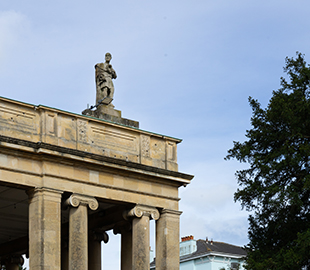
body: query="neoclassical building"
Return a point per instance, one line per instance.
(66, 179)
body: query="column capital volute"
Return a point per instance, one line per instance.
(142, 210)
(99, 236)
(12, 258)
(76, 199)
(122, 227)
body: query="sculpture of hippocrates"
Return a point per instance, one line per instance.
(104, 75)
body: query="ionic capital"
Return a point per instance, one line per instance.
(122, 227)
(76, 199)
(12, 259)
(142, 210)
(100, 236)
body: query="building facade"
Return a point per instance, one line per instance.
(66, 179)
(209, 255)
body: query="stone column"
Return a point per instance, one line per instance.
(141, 235)
(94, 249)
(64, 255)
(167, 240)
(126, 250)
(78, 230)
(126, 244)
(44, 229)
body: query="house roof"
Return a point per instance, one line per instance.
(208, 246)
(205, 248)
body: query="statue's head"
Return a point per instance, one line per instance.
(108, 57)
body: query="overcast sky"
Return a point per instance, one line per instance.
(185, 69)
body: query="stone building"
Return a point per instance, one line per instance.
(66, 179)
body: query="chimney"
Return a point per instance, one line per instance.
(188, 245)
(187, 238)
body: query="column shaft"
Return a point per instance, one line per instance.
(167, 240)
(44, 229)
(126, 250)
(78, 246)
(65, 256)
(141, 243)
(78, 230)
(94, 254)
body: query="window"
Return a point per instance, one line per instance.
(234, 266)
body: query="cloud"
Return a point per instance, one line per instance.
(208, 205)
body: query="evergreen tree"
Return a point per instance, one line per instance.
(276, 186)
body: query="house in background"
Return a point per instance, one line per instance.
(209, 255)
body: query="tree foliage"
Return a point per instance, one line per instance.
(276, 185)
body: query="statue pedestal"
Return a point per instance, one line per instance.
(107, 112)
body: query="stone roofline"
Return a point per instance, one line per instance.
(44, 107)
(43, 127)
(210, 253)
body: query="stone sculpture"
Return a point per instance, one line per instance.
(104, 75)
(104, 109)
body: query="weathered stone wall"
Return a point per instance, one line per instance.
(88, 134)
